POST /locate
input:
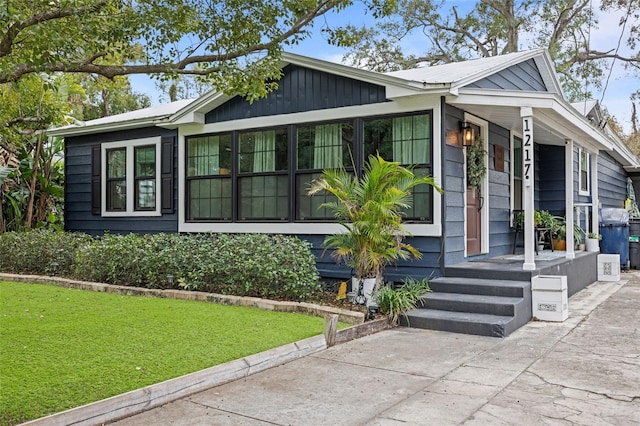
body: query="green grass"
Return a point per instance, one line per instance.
(62, 348)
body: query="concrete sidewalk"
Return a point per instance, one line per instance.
(585, 370)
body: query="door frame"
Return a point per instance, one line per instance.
(484, 187)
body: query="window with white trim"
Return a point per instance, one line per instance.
(131, 173)
(583, 171)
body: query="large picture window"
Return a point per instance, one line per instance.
(264, 174)
(209, 177)
(130, 171)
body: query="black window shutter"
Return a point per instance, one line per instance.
(166, 170)
(96, 174)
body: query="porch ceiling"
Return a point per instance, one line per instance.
(509, 118)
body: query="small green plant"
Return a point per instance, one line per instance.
(594, 236)
(397, 302)
(476, 168)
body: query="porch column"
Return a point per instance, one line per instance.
(595, 201)
(568, 189)
(526, 113)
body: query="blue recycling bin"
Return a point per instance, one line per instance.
(614, 228)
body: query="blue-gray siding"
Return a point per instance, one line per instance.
(454, 190)
(612, 181)
(550, 179)
(301, 89)
(78, 215)
(522, 76)
(500, 235)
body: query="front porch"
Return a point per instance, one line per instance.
(492, 296)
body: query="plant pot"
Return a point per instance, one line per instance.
(367, 290)
(581, 247)
(540, 246)
(560, 245)
(592, 244)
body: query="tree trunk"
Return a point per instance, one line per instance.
(32, 184)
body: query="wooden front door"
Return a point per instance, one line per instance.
(474, 227)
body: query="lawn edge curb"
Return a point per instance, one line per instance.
(350, 317)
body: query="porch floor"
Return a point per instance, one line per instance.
(580, 271)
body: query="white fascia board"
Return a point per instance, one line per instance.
(104, 128)
(506, 98)
(402, 105)
(547, 72)
(416, 230)
(195, 111)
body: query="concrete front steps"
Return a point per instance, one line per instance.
(482, 306)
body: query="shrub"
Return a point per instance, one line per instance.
(257, 265)
(33, 252)
(397, 302)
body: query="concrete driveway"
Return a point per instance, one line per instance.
(585, 370)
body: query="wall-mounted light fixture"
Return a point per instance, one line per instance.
(468, 133)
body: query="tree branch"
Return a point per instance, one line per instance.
(9, 36)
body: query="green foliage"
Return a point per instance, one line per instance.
(62, 348)
(371, 210)
(476, 167)
(448, 33)
(397, 302)
(32, 252)
(260, 265)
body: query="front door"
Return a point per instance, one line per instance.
(474, 227)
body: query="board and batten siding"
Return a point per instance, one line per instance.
(79, 215)
(612, 182)
(301, 89)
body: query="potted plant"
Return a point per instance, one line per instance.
(593, 241)
(370, 209)
(559, 231)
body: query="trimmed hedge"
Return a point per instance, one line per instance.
(33, 251)
(268, 266)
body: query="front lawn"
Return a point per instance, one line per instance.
(62, 348)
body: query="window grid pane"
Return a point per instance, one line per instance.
(116, 179)
(264, 197)
(209, 198)
(209, 155)
(324, 146)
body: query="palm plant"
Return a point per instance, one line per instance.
(370, 208)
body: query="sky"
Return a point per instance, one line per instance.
(615, 97)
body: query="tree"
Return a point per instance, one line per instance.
(495, 27)
(224, 40)
(104, 97)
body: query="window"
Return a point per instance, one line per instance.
(145, 177)
(407, 140)
(209, 177)
(263, 175)
(117, 179)
(319, 147)
(584, 171)
(131, 170)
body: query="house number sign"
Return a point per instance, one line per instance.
(527, 150)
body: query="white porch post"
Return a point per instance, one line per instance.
(527, 192)
(568, 189)
(595, 201)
